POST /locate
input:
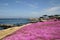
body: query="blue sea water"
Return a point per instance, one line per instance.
(14, 20)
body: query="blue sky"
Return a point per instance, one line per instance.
(28, 8)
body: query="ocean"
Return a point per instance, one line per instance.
(15, 21)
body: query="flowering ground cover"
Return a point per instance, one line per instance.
(37, 31)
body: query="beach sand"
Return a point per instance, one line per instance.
(9, 31)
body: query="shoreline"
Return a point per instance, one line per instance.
(9, 31)
(6, 32)
(6, 26)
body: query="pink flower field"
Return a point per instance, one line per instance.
(37, 31)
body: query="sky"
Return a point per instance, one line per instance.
(28, 8)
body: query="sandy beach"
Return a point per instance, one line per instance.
(9, 31)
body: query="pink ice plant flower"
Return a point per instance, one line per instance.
(37, 31)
